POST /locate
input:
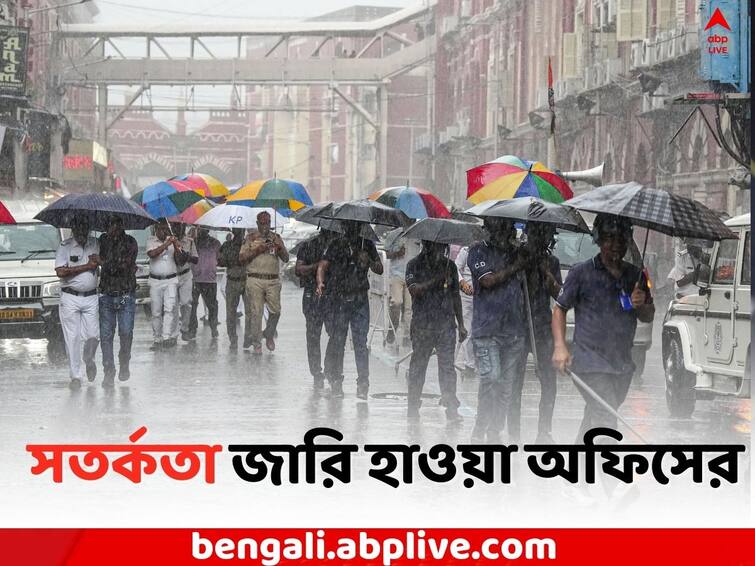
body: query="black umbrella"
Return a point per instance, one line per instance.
(308, 215)
(655, 209)
(446, 231)
(97, 209)
(532, 209)
(365, 210)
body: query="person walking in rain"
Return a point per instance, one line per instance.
(543, 274)
(609, 296)
(433, 282)
(342, 275)
(185, 282)
(76, 263)
(118, 252)
(235, 286)
(400, 300)
(205, 278)
(499, 326)
(313, 306)
(163, 249)
(262, 253)
(466, 352)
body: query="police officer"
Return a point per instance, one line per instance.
(342, 275)
(185, 259)
(498, 326)
(313, 306)
(235, 286)
(261, 253)
(543, 274)
(433, 282)
(76, 263)
(609, 296)
(162, 250)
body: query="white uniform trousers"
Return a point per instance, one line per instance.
(183, 304)
(163, 299)
(79, 317)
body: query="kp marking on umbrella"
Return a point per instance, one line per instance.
(235, 220)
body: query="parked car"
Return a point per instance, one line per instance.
(29, 288)
(706, 337)
(142, 266)
(572, 248)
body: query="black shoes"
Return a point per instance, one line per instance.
(363, 391)
(170, 343)
(247, 343)
(75, 383)
(156, 347)
(412, 413)
(336, 389)
(215, 332)
(188, 336)
(319, 382)
(91, 370)
(124, 374)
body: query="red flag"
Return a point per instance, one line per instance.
(551, 97)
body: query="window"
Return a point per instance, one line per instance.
(631, 21)
(747, 262)
(726, 260)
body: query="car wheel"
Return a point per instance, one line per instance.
(56, 346)
(680, 392)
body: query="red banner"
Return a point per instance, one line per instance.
(614, 547)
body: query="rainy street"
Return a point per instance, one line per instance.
(203, 391)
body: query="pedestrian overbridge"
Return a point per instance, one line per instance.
(181, 55)
(386, 45)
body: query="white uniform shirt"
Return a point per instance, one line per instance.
(163, 264)
(71, 254)
(683, 265)
(461, 265)
(411, 250)
(187, 244)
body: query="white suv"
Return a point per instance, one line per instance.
(706, 337)
(29, 288)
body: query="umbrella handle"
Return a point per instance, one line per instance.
(644, 249)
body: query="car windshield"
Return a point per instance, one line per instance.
(17, 241)
(573, 247)
(141, 239)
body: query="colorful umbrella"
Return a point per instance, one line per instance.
(166, 199)
(193, 212)
(5, 216)
(206, 185)
(414, 202)
(284, 195)
(510, 177)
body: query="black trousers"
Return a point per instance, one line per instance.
(547, 376)
(345, 314)
(613, 388)
(443, 341)
(314, 311)
(209, 293)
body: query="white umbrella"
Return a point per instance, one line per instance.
(237, 216)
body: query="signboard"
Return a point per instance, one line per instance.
(78, 164)
(41, 126)
(13, 44)
(725, 42)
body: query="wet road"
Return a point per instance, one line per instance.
(202, 392)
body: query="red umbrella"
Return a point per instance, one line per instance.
(5, 216)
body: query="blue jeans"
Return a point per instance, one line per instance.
(500, 363)
(116, 310)
(354, 313)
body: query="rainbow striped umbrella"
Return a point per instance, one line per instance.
(166, 199)
(283, 195)
(415, 203)
(511, 177)
(206, 185)
(193, 212)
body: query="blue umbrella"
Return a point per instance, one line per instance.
(97, 209)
